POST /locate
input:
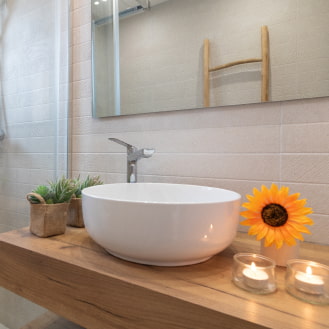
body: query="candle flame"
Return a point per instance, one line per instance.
(253, 266)
(309, 270)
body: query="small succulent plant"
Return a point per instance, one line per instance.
(89, 181)
(59, 191)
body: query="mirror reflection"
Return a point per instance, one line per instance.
(155, 59)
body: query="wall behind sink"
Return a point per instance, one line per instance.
(238, 147)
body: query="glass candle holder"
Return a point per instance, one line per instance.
(308, 281)
(254, 273)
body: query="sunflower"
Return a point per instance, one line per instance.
(275, 215)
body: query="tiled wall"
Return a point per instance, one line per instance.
(33, 104)
(32, 107)
(238, 147)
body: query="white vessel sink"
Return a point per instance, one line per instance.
(161, 224)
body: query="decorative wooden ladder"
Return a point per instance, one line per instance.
(264, 60)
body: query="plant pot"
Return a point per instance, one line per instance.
(47, 219)
(281, 255)
(75, 216)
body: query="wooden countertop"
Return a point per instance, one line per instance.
(74, 277)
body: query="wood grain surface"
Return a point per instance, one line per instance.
(74, 277)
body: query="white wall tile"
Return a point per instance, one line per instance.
(76, 4)
(249, 167)
(81, 71)
(81, 89)
(262, 139)
(305, 168)
(81, 107)
(305, 138)
(81, 52)
(319, 230)
(81, 34)
(305, 111)
(81, 16)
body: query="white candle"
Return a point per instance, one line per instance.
(308, 282)
(255, 277)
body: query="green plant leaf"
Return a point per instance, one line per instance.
(62, 190)
(42, 190)
(89, 181)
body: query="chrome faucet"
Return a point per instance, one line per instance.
(133, 155)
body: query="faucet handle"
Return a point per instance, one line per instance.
(119, 141)
(130, 148)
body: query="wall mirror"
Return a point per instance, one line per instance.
(148, 56)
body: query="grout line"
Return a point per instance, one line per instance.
(230, 179)
(281, 141)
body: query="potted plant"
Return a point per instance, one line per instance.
(49, 207)
(75, 216)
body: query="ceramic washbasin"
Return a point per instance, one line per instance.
(161, 224)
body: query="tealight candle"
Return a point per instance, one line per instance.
(308, 282)
(254, 273)
(255, 277)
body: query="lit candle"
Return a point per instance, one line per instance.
(308, 282)
(255, 277)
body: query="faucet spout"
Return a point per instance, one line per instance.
(139, 154)
(133, 155)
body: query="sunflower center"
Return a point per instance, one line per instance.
(274, 214)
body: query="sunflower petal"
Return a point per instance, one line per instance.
(268, 244)
(300, 203)
(246, 205)
(247, 213)
(282, 196)
(255, 207)
(249, 221)
(302, 220)
(254, 229)
(299, 227)
(262, 233)
(278, 238)
(245, 222)
(269, 237)
(274, 188)
(285, 191)
(250, 198)
(256, 192)
(294, 232)
(301, 211)
(265, 194)
(273, 195)
(288, 239)
(292, 197)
